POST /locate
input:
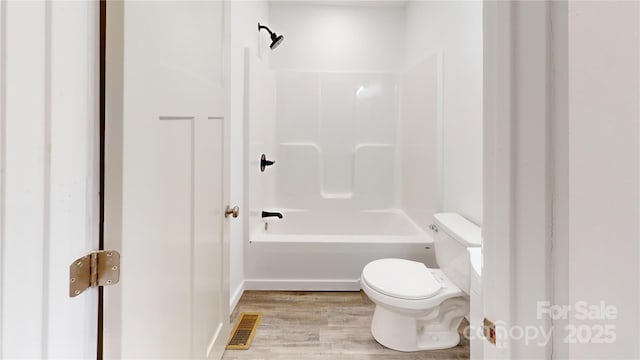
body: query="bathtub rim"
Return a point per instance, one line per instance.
(420, 237)
(259, 235)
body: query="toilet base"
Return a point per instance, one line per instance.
(433, 329)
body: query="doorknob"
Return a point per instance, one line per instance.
(232, 211)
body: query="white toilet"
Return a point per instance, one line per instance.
(418, 308)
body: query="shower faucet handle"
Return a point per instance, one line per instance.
(264, 162)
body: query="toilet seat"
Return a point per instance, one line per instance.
(401, 279)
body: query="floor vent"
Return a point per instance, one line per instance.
(244, 330)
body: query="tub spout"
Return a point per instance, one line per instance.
(271, 214)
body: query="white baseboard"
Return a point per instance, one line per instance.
(302, 284)
(235, 296)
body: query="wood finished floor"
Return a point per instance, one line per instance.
(320, 325)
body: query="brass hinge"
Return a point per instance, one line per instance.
(99, 268)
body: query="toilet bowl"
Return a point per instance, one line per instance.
(418, 308)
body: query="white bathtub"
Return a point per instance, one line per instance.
(341, 227)
(327, 251)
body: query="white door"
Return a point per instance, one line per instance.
(49, 176)
(166, 185)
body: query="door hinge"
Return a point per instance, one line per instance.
(98, 268)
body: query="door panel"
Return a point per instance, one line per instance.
(49, 176)
(208, 213)
(166, 179)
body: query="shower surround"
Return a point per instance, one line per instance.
(336, 178)
(336, 136)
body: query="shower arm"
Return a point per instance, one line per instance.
(260, 27)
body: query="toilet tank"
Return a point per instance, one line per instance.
(454, 234)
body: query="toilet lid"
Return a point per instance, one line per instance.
(401, 278)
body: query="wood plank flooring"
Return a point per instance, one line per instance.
(321, 325)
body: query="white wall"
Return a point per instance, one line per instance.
(604, 169)
(245, 16)
(338, 38)
(455, 28)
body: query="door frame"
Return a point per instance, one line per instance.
(102, 107)
(525, 177)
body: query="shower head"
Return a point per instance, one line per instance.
(275, 42)
(275, 38)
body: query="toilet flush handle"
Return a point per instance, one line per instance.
(433, 227)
